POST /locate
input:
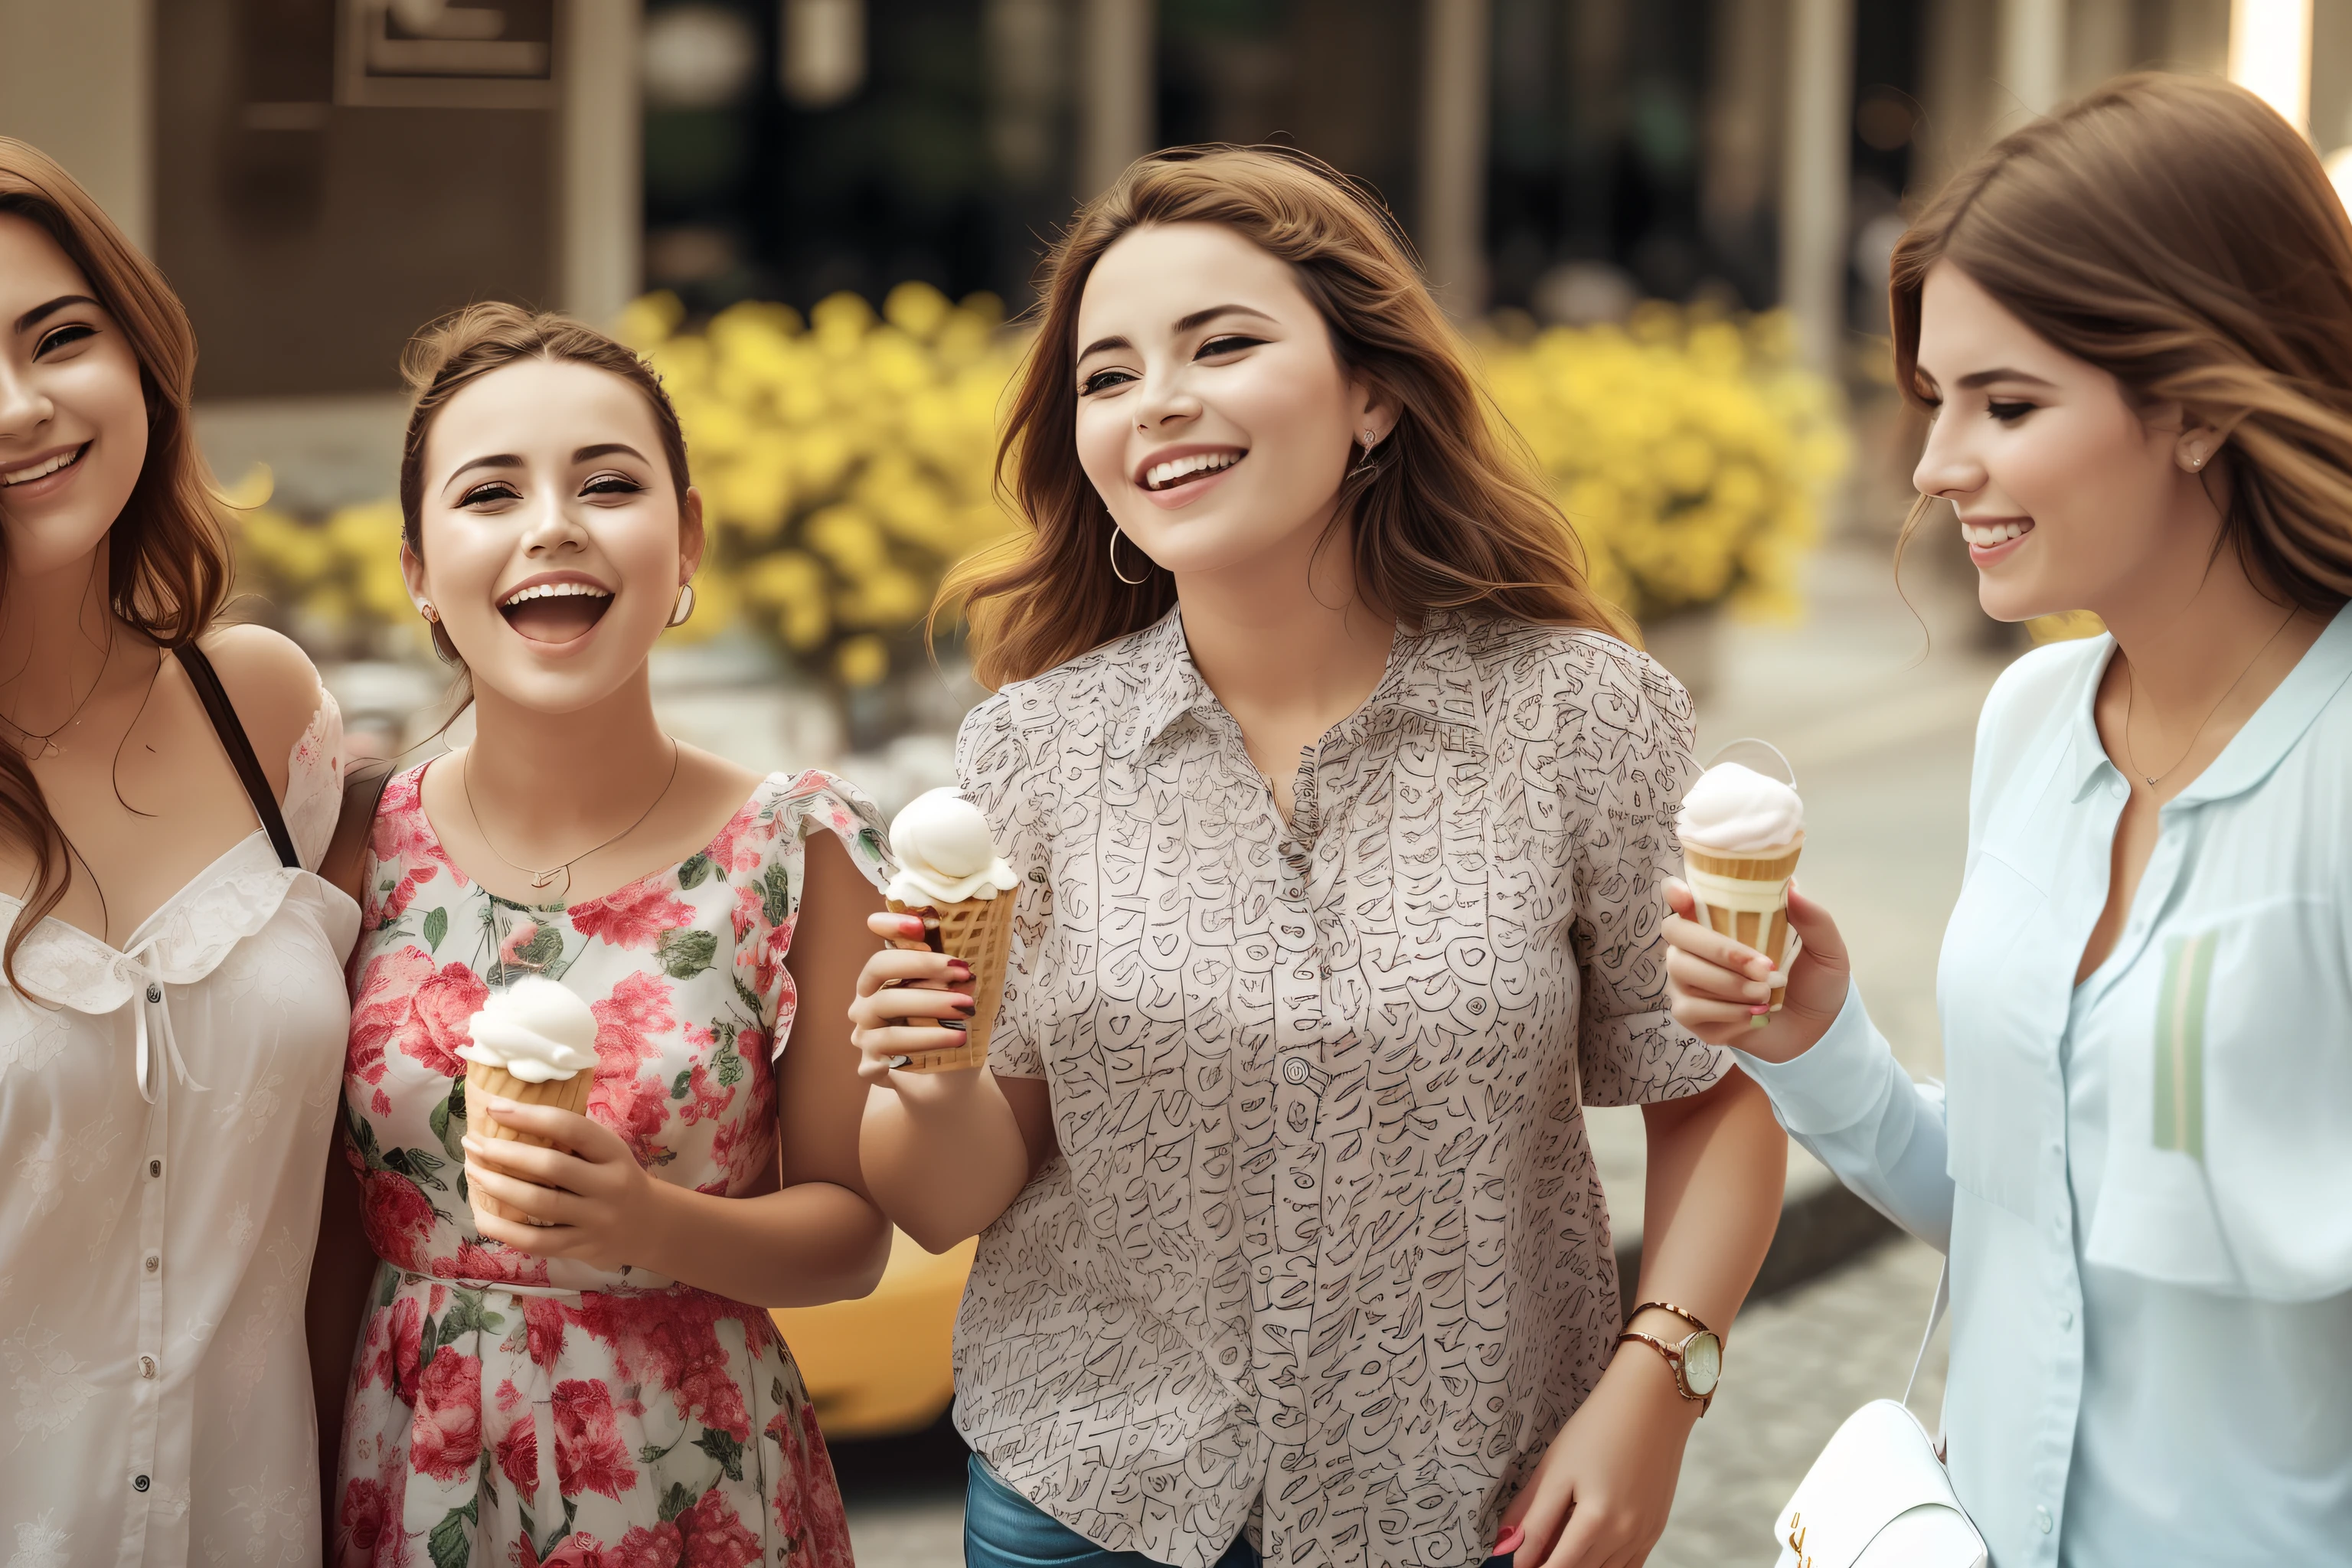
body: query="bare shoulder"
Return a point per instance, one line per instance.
(712, 781)
(272, 684)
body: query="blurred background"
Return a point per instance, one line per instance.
(1662, 223)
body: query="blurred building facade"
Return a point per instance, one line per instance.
(319, 176)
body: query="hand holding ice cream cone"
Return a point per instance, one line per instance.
(534, 1043)
(951, 879)
(1742, 833)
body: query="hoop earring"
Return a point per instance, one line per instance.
(1131, 582)
(683, 610)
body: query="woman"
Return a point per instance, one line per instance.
(171, 1017)
(599, 1381)
(2132, 323)
(1337, 812)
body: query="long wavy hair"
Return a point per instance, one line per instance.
(1453, 518)
(2177, 233)
(167, 555)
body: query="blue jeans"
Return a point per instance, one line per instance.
(1002, 1529)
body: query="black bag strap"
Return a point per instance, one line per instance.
(241, 750)
(363, 787)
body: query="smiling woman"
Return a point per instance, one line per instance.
(565, 1340)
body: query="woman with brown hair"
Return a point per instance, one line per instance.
(2132, 322)
(170, 1007)
(567, 1355)
(1339, 809)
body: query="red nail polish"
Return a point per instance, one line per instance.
(959, 969)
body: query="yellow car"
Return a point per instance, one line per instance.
(882, 1365)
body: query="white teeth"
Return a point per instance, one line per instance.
(555, 591)
(1161, 476)
(40, 470)
(1985, 535)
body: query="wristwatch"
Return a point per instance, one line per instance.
(1696, 1359)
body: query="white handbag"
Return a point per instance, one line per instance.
(1879, 1495)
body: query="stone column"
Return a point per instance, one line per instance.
(1816, 176)
(2033, 57)
(599, 232)
(1457, 56)
(2269, 55)
(74, 81)
(1117, 107)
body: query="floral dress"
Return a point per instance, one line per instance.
(506, 1409)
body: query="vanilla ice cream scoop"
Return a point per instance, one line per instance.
(1737, 810)
(944, 853)
(536, 1029)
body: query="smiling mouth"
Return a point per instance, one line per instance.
(555, 612)
(44, 468)
(1180, 471)
(1989, 535)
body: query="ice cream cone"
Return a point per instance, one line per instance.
(481, 1080)
(1745, 895)
(980, 932)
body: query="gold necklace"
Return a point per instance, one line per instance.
(49, 747)
(543, 880)
(2131, 685)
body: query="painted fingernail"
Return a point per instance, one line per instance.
(954, 1025)
(910, 925)
(900, 1061)
(959, 969)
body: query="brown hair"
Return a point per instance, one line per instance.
(1452, 517)
(167, 555)
(2177, 233)
(452, 353)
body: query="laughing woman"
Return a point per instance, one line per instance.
(1339, 813)
(599, 1380)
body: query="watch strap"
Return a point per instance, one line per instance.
(1674, 1357)
(1687, 1317)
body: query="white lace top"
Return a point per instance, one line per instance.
(163, 1133)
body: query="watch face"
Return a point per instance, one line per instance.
(1702, 1363)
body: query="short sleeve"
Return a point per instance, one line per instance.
(314, 783)
(766, 858)
(1002, 766)
(1632, 762)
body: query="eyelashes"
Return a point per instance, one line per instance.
(497, 491)
(1227, 343)
(64, 337)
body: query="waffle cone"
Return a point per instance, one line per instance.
(1767, 930)
(979, 932)
(564, 1093)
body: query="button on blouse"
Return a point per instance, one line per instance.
(2145, 1180)
(1325, 1255)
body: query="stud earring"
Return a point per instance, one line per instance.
(428, 611)
(1365, 467)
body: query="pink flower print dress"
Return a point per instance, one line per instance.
(506, 1409)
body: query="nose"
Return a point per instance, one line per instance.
(24, 407)
(1945, 467)
(1166, 400)
(553, 526)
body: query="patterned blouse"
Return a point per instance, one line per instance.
(506, 1408)
(1324, 1256)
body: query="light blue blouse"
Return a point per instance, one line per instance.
(2144, 1181)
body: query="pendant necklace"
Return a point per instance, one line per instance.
(2131, 685)
(48, 738)
(539, 879)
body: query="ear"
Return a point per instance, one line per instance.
(2197, 444)
(1375, 412)
(691, 537)
(412, 572)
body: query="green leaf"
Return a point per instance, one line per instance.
(452, 1542)
(418, 1165)
(437, 926)
(724, 1448)
(680, 1085)
(390, 1287)
(744, 995)
(692, 874)
(776, 895)
(688, 952)
(467, 1314)
(545, 946)
(449, 1121)
(871, 842)
(728, 1065)
(427, 1343)
(363, 1140)
(675, 1501)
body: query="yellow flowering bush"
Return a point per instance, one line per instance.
(1689, 450)
(846, 462)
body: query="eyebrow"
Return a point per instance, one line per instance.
(508, 460)
(1184, 325)
(1987, 378)
(40, 313)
